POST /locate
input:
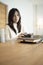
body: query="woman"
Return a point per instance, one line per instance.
(14, 28)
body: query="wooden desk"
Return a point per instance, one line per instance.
(15, 53)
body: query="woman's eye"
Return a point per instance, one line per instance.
(16, 15)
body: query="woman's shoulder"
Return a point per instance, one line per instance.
(7, 27)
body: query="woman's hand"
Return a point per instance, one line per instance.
(20, 35)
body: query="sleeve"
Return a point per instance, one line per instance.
(7, 33)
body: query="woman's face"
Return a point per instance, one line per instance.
(16, 17)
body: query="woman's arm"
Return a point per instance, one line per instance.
(10, 34)
(7, 33)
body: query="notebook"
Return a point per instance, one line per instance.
(29, 38)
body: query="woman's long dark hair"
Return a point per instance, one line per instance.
(10, 19)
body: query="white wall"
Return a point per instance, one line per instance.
(40, 19)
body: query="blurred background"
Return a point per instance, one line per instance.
(31, 14)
